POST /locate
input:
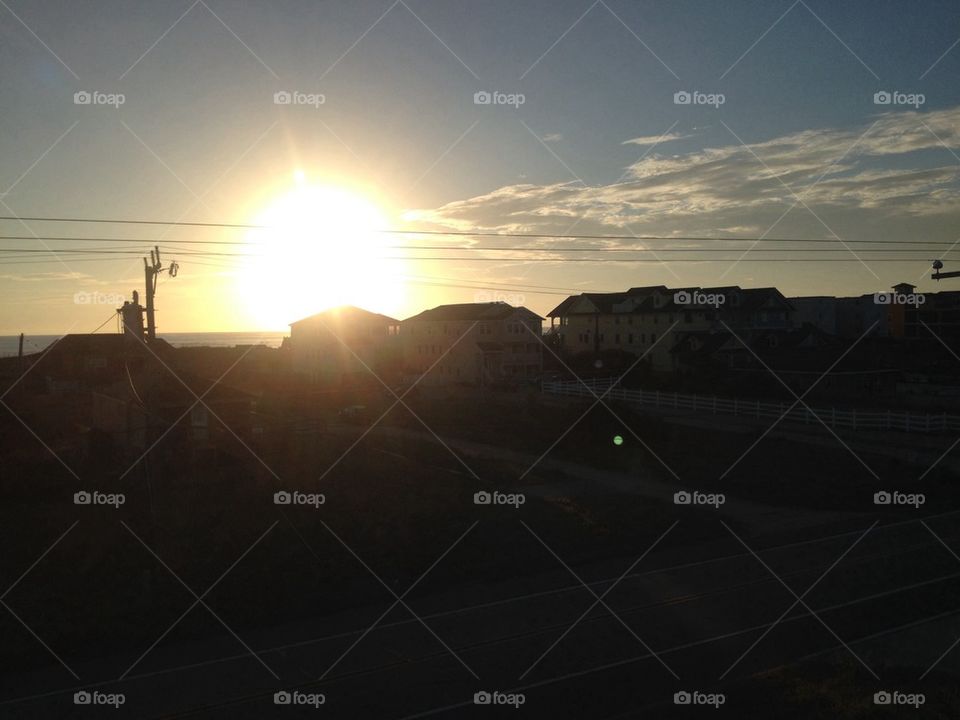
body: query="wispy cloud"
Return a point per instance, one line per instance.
(646, 140)
(869, 179)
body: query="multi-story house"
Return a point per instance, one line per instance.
(344, 344)
(655, 320)
(473, 343)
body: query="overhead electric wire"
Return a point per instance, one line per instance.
(442, 233)
(664, 238)
(522, 260)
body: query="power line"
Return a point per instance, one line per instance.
(535, 260)
(244, 243)
(441, 233)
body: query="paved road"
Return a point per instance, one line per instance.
(679, 620)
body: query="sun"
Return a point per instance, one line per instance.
(319, 246)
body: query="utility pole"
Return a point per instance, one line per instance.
(150, 272)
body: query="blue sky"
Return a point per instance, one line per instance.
(598, 140)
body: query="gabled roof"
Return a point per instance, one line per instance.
(473, 312)
(642, 299)
(347, 314)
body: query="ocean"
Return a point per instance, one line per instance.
(38, 343)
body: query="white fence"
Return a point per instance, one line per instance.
(710, 404)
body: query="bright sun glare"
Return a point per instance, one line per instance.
(321, 249)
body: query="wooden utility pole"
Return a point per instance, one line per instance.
(151, 270)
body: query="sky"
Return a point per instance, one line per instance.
(587, 132)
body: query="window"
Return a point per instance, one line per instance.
(616, 320)
(630, 339)
(616, 338)
(653, 337)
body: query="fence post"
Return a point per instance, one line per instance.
(854, 418)
(658, 399)
(758, 408)
(694, 402)
(714, 404)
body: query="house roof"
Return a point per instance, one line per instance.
(473, 312)
(107, 344)
(347, 313)
(643, 299)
